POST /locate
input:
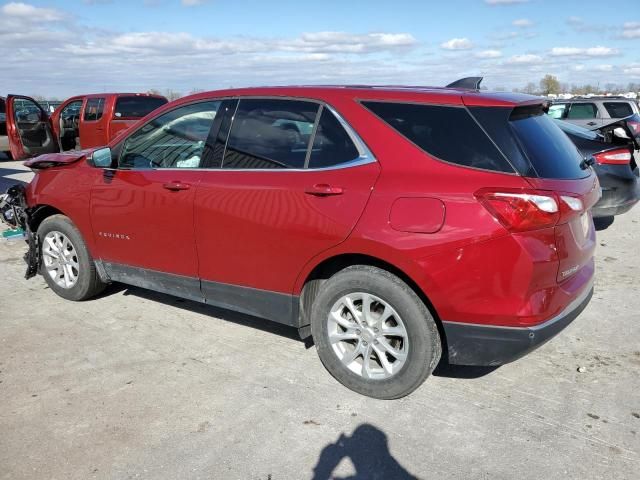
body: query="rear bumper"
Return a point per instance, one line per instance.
(620, 190)
(474, 344)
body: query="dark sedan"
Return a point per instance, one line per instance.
(614, 150)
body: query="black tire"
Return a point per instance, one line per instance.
(88, 283)
(424, 341)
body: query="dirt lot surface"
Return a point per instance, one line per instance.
(136, 384)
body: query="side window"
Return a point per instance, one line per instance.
(448, 133)
(332, 144)
(175, 139)
(581, 111)
(618, 109)
(270, 133)
(137, 106)
(94, 109)
(557, 110)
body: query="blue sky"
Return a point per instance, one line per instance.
(69, 47)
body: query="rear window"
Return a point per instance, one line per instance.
(445, 132)
(618, 109)
(137, 107)
(551, 153)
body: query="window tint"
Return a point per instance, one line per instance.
(448, 133)
(579, 111)
(550, 151)
(174, 140)
(557, 110)
(137, 107)
(618, 109)
(332, 144)
(270, 133)
(94, 109)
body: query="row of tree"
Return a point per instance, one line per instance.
(551, 85)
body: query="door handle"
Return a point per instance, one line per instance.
(176, 185)
(323, 190)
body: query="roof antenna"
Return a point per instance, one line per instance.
(471, 83)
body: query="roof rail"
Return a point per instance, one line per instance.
(471, 83)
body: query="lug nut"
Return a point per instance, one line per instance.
(375, 342)
(358, 332)
(364, 343)
(376, 330)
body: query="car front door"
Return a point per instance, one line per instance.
(29, 128)
(291, 181)
(142, 211)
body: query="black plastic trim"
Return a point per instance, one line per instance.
(274, 306)
(485, 345)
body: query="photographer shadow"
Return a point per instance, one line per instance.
(368, 450)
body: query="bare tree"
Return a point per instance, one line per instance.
(549, 85)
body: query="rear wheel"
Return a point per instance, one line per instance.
(373, 333)
(67, 266)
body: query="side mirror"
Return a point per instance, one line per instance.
(102, 158)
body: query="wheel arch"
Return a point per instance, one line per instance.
(39, 213)
(332, 265)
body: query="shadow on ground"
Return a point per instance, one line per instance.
(444, 368)
(603, 223)
(368, 450)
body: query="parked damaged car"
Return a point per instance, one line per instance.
(83, 121)
(613, 150)
(391, 224)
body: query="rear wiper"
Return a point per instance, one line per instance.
(586, 163)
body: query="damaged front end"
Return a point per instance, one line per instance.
(15, 212)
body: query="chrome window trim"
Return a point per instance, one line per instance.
(365, 157)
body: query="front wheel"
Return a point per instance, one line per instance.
(67, 266)
(373, 333)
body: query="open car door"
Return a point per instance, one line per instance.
(29, 128)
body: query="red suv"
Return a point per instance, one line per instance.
(389, 223)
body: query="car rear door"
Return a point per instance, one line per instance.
(142, 211)
(585, 114)
(29, 128)
(289, 181)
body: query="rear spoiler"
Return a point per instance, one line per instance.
(469, 83)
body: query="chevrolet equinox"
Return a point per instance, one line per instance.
(391, 224)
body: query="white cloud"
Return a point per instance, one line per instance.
(504, 2)
(598, 51)
(522, 22)
(524, 59)
(604, 68)
(489, 54)
(631, 30)
(457, 44)
(23, 11)
(193, 3)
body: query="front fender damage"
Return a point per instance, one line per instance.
(15, 212)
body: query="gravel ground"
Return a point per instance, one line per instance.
(137, 384)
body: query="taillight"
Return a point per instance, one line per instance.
(522, 210)
(620, 156)
(634, 126)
